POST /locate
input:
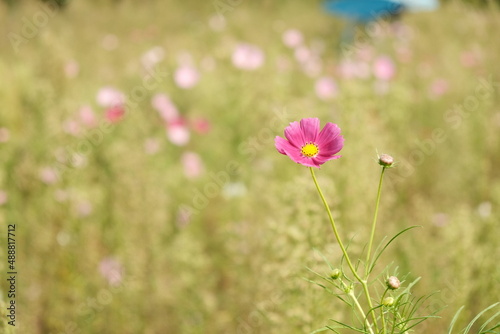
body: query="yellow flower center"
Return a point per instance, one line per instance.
(309, 150)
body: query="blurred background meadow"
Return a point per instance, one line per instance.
(138, 162)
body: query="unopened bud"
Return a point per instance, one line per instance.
(388, 301)
(385, 160)
(335, 274)
(393, 283)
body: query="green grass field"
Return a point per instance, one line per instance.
(131, 220)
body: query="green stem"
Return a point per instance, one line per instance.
(360, 309)
(374, 224)
(346, 256)
(382, 316)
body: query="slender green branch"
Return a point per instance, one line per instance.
(382, 316)
(344, 252)
(360, 309)
(374, 224)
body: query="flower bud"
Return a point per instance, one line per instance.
(393, 283)
(385, 160)
(388, 301)
(335, 274)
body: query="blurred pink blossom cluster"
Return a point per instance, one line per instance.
(111, 270)
(248, 57)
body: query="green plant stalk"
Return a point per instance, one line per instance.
(346, 256)
(374, 224)
(384, 330)
(360, 309)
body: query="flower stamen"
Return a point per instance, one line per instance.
(309, 150)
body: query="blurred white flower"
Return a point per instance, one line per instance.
(186, 76)
(484, 209)
(178, 133)
(247, 57)
(63, 238)
(192, 164)
(234, 189)
(108, 97)
(292, 38)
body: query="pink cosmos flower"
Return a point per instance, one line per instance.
(192, 164)
(383, 68)
(115, 114)
(308, 146)
(87, 116)
(178, 133)
(326, 88)
(292, 38)
(111, 270)
(110, 97)
(248, 57)
(165, 107)
(201, 125)
(186, 77)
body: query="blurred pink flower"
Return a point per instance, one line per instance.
(4, 135)
(71, 69)
(312, 67)
(110, 97)
(440, 219)
(110, 42)
(3, 197)
(84, 208)
(115, 114)
(87, 116)
(326, 88)
(384, 68)
(292, 38)
(152, 146)
(201, 125)
(469, 59)
(111, 270)
(48, 175)
(303, 54)
(186, 76)
(192, 164)
(305, 144)
(247, 57)
(71, 127)
(165, 107)
(404, 54)
(349, 69)
(439, 87)
(178, 133)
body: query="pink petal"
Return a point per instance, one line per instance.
(294, 134)
(327, 136)
(310, 128)
(321, 159)
(282, 145)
